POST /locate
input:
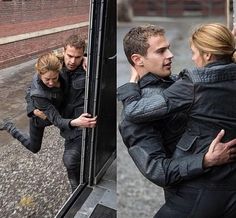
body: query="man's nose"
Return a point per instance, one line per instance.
(50, 82)
(72, 60)
(170, 54)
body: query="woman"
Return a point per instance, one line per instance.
(207, 94)
(46, 92)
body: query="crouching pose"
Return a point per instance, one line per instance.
(45, 98)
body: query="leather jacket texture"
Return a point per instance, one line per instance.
(48, 100)
(151, 144)
(74, 99)
(208, 96)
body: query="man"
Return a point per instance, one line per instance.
(73, 74)
(151, 144)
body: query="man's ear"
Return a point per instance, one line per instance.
(137, 59)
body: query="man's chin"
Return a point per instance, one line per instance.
(71, 68)
(166, 73)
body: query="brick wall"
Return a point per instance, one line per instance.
(174, 8)
(19, 17)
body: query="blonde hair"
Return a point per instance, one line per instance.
(216, 39)
(48, 62)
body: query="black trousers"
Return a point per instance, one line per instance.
(33, 140)
(72, 160)
(204, 202)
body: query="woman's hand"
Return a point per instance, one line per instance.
(40, 114)
(234, 30)
(134, 75)
(84, 63)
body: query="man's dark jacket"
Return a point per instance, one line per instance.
(151, 144)
(74, 98)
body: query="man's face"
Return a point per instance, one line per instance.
(73, 57)
(159, 58)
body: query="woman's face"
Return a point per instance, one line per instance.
(197, 58)
(50, 78)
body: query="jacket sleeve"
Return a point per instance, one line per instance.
(138, 108)
(52, 113)
(146, 149)
(30, 105)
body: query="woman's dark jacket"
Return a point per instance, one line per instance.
(48, 100)
(208, 96)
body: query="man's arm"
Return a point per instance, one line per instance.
(145, 147)
(83, 121)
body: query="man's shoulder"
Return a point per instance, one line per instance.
(80, 70)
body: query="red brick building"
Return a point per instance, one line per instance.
(30, 27)
(174, 8)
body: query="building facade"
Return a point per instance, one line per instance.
(174, 8)
(31, 27)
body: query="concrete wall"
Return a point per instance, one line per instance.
(30, 27)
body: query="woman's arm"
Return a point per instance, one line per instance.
(138, 109)
(30, 105)
(51, 112)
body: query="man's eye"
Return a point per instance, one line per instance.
(160, 51)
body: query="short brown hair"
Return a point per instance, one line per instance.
(76, 41)
(136, 40)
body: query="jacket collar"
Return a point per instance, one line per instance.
(151, 78)
(77, 70)
(219, 62)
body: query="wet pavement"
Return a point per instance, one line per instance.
(137, 197)
(32, 185)
(13, 83)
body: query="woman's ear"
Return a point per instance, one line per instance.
(207, 56)
(137, 59)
